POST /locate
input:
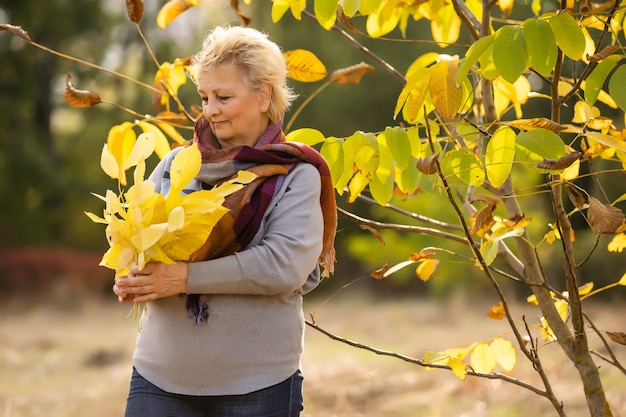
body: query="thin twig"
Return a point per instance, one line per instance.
(401, 227)
(415, 361)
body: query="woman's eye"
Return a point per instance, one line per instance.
(204, 99)
(222, 98)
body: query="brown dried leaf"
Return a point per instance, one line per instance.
(380, 272)
(351, 74)
(245, 20)
(604, 218)
(341, 16)
(16, 30)
(538, 122)
(492, 200)
(575, 196)
(561, 163)
(617, 337)
(606, 52)
(426, 253)
(483, 220)
(134, 8)
(374, 232)
(79, 98)
(428, 165)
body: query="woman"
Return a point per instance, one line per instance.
(231, 345)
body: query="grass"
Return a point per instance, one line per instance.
(69, 357)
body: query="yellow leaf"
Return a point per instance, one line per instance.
(618, 243)
(176, 219)
(585, 288)
(459, 369)
(445, 92)
(506, 6)
(161, 144)
(95, 218)
(143, 148)
(608, 140)
(622, 280)
(504, 353)
(185, 166)
(172, 9)
(109, 164)
(458, 353)
(120, 142)
(305, 66)
(445, 25)
(496, 312)
(140, 172)
(148, 236)
(426, 268)
(169, 78)
(482, 359)
(413, 93)
(139, 193)
(563, 308)
(201, 202)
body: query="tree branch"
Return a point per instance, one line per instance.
(415, 361)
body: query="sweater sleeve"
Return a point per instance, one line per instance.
(282, 255)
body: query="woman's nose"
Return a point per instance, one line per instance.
(210, 107)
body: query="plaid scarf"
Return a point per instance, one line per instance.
(270, 159)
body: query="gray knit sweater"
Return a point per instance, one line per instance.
(254, 335)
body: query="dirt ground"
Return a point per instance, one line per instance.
(71, 358)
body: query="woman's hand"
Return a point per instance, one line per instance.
(155, 280)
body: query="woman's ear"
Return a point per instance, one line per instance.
(265, 95)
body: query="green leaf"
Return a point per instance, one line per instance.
(569, 36)
(351, 146)
(279, 8)
(541, 45)
(473, 54)
(385, 160)
(398, 143)
(307, 136)
(467, 167)
(332, 151)
(366, 160)
(350, 7)
(509, 52)
(617, 88)
(536, 145)
(487, 65)
(499, 155)
(382, 189)
(326, 12)
(408, 178)
(595, 81)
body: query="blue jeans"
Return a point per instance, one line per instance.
(281, 400)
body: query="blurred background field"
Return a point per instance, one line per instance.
(66, 356)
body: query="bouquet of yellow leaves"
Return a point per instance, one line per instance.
(144, 225)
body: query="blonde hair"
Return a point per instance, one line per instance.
(260, 61)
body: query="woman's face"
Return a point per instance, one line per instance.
(237, 115)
